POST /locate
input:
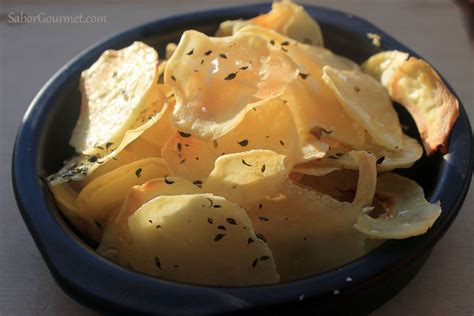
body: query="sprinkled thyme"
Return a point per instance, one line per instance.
(244, 67)
(284, 49)
(210, 201)
(231, 76)
(282, 143)
(158, 226)
(93, 159)
(260, 206)
(210, 220)
(219, 237)
(231, 221)
(179, 146)
(245, 163)
(173, 77)
(182, 161)
(108, 145)
(221, 227)
(261, 237)
(217, 206)
(272, 42)
(190, 52)
(208, 52)
(285, 43)
(167, 181)
(222, 55)
(356, 89)
(243, 142)
(215, 143)
(254, 263)
(263, 258)
(303, 76)
(198, 183)
(263, 218)
(184, 135)
(249, 241)
(380, 160)
(150, 221)
(138, 172)
(263, 168)
(157, 263)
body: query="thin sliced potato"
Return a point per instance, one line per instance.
(367, 102)
(217, 80)
(81, 166)
(247, 176)
(200, 239)
(114, 91)
(407, 211)
(307, 232)
(337, 158)
(65, 197)
(383, 65)
(270, 127)
(367, 178)
(106, 193)
(435, 109)
(286, 18)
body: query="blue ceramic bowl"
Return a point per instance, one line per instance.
(41, 146)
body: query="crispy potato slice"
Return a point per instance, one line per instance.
(312, 102)
(383, 65)
(286, 18)
(307, 232)
(247, 176)
(367, 102)
(101, 196)
(82, 166)
(201, 239)
(367, 178)
(65, 197)
(267, 127)
(407, 211)
(435, 109)
(217, 80)
(337, 157)
(114, 91)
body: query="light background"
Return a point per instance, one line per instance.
(30, 54)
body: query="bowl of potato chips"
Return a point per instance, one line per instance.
(265, 157)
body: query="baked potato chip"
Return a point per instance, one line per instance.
(200, 239)
(313, 103)
(82, 166)
(286, 18)
(421, 91)
(367, 102)
(217, 80)
(338, 157)
(367, 178)
(383, 65)
(114, 92)
(247, 176)
(65, 197)
(270, 126)
(104, 194)
(307, 232)
(407, 213)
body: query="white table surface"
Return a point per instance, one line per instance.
(30, 54)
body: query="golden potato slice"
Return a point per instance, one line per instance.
(65, 197)
(367, 102)
(217, 80)
(192, 158)
(104, 194)
(82, 166)
(286, 18)
(337, 157)
(108, 247)
(421, 91)
(407, 211)
(307, 232)
(383, 65)
(248, 176)
(114, 91)
(367, 178)
(312, 102)
(200, 239)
